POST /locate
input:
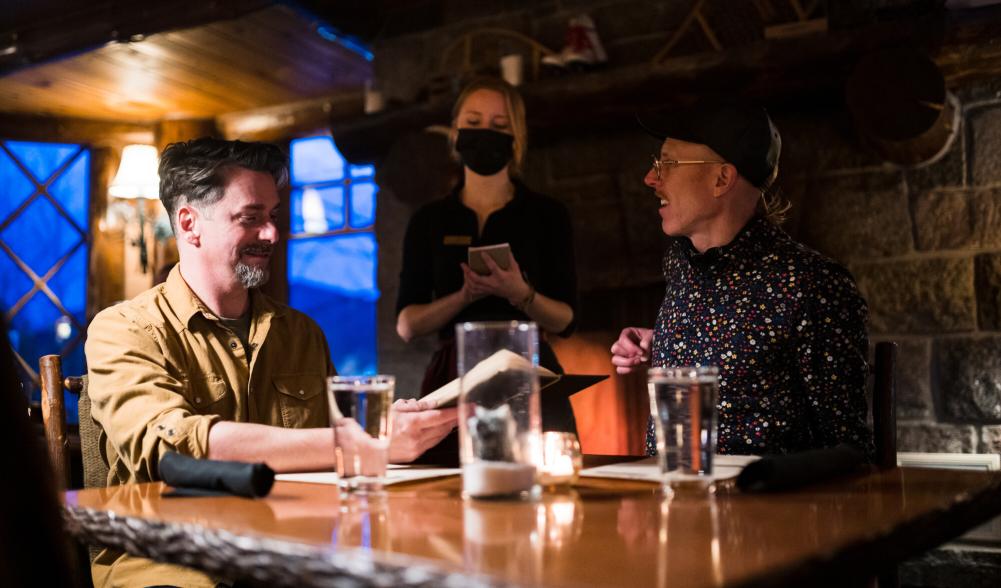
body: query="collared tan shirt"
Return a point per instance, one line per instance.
(163, 368)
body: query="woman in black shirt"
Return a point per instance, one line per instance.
(489, 206)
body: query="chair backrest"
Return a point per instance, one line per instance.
(50, 371)
(95, 462)
(884, 404)
(95, 465)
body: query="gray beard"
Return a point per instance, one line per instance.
(251, 276)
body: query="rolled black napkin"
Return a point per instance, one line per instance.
(784, 472)
(209, 477)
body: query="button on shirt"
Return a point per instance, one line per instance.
(787, 329)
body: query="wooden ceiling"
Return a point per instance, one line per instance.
(271, 56)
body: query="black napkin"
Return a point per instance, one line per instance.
(209, 477)
(785, 472)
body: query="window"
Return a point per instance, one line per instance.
(332, 250)
(44, 200)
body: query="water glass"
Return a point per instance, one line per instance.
(499, 415)
(360, 416)
(683, 405)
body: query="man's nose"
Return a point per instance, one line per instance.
(269, 232)
(651, 178)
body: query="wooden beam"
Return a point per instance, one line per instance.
(24, 127)
(176, 130)
(296, 119)
(70, 28)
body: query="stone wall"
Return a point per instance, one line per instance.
(924, 247)
(924, 244)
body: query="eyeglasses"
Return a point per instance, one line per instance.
(659, 164)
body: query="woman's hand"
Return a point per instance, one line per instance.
(504, 283)
(472, 290)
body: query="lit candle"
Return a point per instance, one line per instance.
(561, 460)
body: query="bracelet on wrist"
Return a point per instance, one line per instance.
(525, 302)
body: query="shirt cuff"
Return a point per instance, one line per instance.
(188, 435)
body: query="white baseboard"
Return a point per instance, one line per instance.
(989, 532)
(950, 461)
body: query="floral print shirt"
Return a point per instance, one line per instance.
(787, 329)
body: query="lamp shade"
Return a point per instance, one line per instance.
(137, 174)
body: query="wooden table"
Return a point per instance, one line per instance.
(601, 533)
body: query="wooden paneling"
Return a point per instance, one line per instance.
(105, 283)
(272, 56)
(174, 131)
(95, 133)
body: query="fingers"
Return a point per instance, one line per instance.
(631, 349)
(477, 283)
(646, 338)
(432, 436)
(424, 419)
(488, 260)
(416, 432)
(621, 361)
(626, 348)
(410, 405)
(633, 341)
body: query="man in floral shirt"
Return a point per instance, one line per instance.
(785, 325)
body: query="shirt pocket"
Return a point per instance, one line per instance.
(302, 400)
(210, 395)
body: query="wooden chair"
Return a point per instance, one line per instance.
(884, 404)
(50, 373)
(884, 425)
(95, 466)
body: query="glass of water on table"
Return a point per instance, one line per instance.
(360, 416)
(683, 405)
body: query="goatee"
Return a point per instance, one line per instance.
(251, 276)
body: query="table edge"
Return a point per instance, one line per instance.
(260, 560)
(888, 549)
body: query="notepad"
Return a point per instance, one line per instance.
(500, 253)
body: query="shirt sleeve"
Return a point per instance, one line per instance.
(832, 350)
(560, 281)
(136, 400)
(417, 272)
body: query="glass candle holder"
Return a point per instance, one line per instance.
(499, 414)
(561, 460)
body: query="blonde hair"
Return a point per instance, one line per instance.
(773, 205)
(515, 110)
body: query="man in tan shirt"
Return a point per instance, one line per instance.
(206, 365)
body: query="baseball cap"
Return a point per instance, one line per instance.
(743, 135)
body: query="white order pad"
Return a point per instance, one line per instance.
(648, 469)
(395, 474)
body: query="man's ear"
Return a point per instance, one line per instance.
(189, 225)
(726, 179)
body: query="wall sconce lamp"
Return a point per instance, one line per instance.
(137, 180)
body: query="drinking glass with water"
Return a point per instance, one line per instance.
(683, 405)
(359, 413)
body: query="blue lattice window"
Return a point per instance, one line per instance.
(44, 200)
(332, 250)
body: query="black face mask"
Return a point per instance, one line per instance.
(485, 151)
